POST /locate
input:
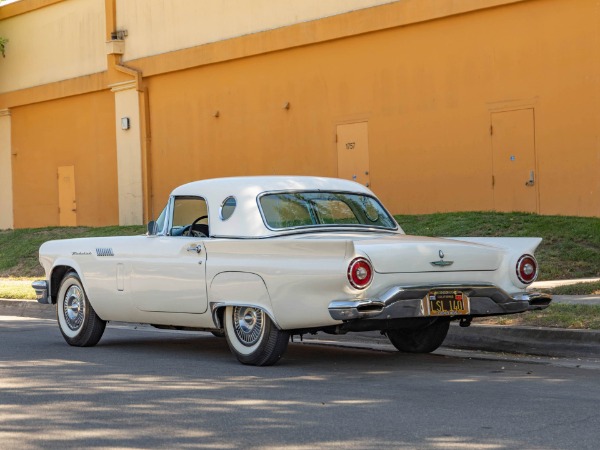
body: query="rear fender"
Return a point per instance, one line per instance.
(514, 248)
(513, 245)
(238, 289)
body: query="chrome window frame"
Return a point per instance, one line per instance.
(171, 205)
(163, 231)
(360, 227)
(223, 204)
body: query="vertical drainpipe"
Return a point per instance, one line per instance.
(116, 69)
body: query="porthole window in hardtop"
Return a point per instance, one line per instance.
(312, 209)
(227, 208)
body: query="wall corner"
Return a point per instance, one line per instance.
(6, 156)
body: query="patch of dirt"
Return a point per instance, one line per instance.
(20, 270)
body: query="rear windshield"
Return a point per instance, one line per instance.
(308, 209)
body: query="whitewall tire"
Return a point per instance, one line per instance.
(77, 320)
(253, 337)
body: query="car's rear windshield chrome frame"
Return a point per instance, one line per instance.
(345, 227)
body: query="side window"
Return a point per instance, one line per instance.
(190, 217)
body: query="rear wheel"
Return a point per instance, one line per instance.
(420, 340)
(77, 320)
(252, 337)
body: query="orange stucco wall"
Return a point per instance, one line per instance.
(426, 75)
(427, 91)
(77, 131)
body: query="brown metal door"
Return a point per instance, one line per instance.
(67, 203)
(353, 152)
(514, 169)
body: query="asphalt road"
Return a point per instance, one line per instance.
(145, 389)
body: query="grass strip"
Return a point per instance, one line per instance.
(570, 248)
(557, 315)
(17, 288)
(19, 248)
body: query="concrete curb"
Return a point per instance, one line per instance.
(554, 342)
(26, 308)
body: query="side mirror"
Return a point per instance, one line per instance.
(151, 228)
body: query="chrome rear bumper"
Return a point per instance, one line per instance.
(407, 301)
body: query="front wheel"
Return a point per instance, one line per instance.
(77, 320)
(420, 340)
(253, 337)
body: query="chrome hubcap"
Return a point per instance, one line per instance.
(74, 307)
(248, 324)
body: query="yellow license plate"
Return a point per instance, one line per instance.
(447, 303)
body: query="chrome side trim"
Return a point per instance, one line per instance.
(407, 301)
(41, 291)
(336, 229)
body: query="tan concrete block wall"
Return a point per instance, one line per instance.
(61, 41)
(159, 26)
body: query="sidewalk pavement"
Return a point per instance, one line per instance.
(540, 341)
(577, 299)
(554, 283)
(570, 299)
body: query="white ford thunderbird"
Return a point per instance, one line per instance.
(260, 259)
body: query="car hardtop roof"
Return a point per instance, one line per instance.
(254, 185)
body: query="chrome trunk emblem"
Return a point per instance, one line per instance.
(441, 262)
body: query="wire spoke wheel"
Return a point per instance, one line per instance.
(248, 324)
(78, 322)
(253, 337)
(74, 307)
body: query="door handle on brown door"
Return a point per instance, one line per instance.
(531, 181)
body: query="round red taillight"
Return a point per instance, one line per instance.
(527, 269)
(360, 273)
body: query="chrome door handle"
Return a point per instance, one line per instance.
(531, 181)
(195, 248)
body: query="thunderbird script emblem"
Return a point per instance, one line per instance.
(441, 262)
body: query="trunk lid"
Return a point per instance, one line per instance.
(413, 254)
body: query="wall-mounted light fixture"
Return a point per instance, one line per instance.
(216, 113)
(125, 123)
(118, 35)
(286, 105)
